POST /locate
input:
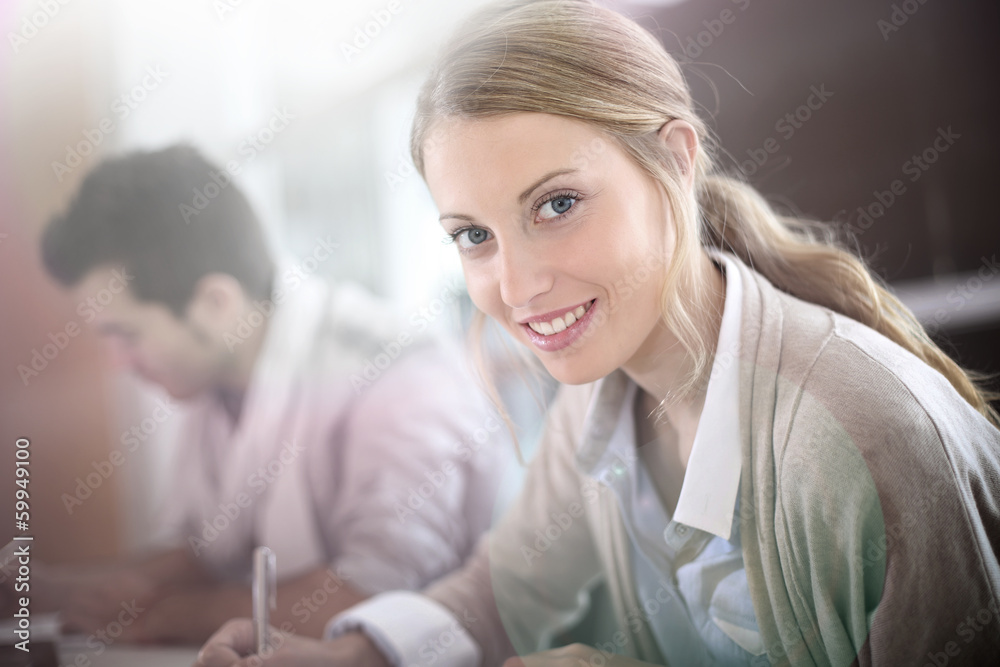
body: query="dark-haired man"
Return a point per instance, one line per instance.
(316, 423)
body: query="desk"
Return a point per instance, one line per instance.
(75, 651)
(78, 655)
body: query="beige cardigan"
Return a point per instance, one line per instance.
(870, 509)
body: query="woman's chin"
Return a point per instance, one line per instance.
(576, 373)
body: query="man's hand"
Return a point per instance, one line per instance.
(573, 656)
(232, 646)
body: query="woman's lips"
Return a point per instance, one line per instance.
(560, 332)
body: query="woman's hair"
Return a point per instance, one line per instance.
(576, 59)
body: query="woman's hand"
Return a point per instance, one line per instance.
(574, 655)
(232, 646)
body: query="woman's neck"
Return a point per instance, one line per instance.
(662, 365)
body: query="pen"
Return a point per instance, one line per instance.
(264, 592)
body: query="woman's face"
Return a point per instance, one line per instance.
(564, 240)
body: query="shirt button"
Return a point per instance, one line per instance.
(682, 530)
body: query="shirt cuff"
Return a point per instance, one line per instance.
(410, 629)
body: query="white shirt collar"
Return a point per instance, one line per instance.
(712, 480)
(711, 483)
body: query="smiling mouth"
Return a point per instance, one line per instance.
(560, 324)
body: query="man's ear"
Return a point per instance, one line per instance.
(217, 303)
(681, 139)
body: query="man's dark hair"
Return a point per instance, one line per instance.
(139, 210)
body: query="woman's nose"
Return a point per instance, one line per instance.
(524, 273)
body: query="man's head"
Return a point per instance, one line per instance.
(167, 289)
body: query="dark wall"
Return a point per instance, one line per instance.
(896, 77)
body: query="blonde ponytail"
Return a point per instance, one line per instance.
(802, 258)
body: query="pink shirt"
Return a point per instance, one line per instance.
(362, 446)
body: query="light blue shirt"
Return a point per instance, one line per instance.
(688, 569)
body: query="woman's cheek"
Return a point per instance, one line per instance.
(483, 297)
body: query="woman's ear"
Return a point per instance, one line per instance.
(680, 138)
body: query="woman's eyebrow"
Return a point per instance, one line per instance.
(521, 198)
(457, 216)
(552, 174)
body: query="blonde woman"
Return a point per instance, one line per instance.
(757, 456)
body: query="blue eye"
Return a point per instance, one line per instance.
(470, 237)
(562, 204)
(476, 236)
(556, 206)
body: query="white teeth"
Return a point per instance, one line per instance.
(560, 323)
